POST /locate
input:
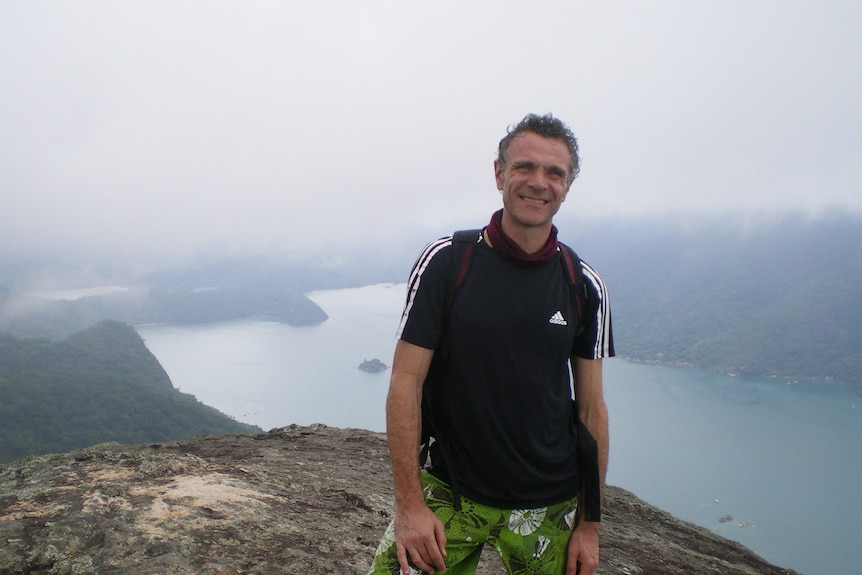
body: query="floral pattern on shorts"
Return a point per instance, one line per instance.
(530, 541)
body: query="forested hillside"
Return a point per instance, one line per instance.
(777, 299)
(96, 386)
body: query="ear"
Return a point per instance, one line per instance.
(566, 193)
(498, 175)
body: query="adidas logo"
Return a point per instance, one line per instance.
(558, 319)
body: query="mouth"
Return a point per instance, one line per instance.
(536, 201)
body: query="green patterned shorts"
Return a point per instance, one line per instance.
(530, 541)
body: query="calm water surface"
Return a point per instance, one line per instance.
(782, 458)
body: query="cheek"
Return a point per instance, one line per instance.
(501, 180)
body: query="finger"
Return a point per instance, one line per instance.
(414, 560)
(440, 536)
(401, 554)
(574, 567)
(587, 568)
(411, 561)
(432, 560)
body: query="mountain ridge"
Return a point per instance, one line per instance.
(744, 297)
(101, 384)
(779, 299)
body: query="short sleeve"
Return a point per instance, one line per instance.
(422, 320)
(597, 340)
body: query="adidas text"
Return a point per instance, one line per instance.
(558, 319)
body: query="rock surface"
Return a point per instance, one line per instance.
(296, 500)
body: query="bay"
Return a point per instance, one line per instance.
(272, 375)
(780, 458)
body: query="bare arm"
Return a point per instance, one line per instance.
(584, 544)
(589, 391)
(418, 533)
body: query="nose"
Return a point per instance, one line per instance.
(539, 179)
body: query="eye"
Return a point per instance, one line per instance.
(557, 174)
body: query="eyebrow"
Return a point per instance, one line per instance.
(552, 169)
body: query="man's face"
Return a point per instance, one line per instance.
(534, 180)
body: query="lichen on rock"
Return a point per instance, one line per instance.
(309, 500)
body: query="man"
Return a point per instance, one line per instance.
(504, 464)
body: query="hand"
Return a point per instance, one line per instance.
(583, 555)
(420, 540)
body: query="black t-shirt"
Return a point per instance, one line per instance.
(502, 409)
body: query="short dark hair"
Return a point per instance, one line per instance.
(549, 127)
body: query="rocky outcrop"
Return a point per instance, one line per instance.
(297, 500)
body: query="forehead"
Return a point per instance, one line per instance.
(535, 148)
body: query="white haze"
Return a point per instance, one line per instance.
(164, 128)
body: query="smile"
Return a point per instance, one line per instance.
(538, 201)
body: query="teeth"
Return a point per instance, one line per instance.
(534, 200)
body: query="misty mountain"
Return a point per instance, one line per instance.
(249, 273)
(96, 386)
(780, 298)
(226, 290)
(757, 297)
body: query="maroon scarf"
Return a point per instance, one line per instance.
(512, 252)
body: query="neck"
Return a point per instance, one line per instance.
(511, 250)
(531, 239)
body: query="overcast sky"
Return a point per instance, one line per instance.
(273, 125)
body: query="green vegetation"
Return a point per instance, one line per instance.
(781, 300)
(96, 386)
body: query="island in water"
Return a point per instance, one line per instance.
(373, 366)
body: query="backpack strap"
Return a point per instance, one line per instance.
(588, 449)
(463, 244)
(463, 241)
(577, 285)
(590, 492)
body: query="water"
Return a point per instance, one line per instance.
(782, 458)
(272, 375)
